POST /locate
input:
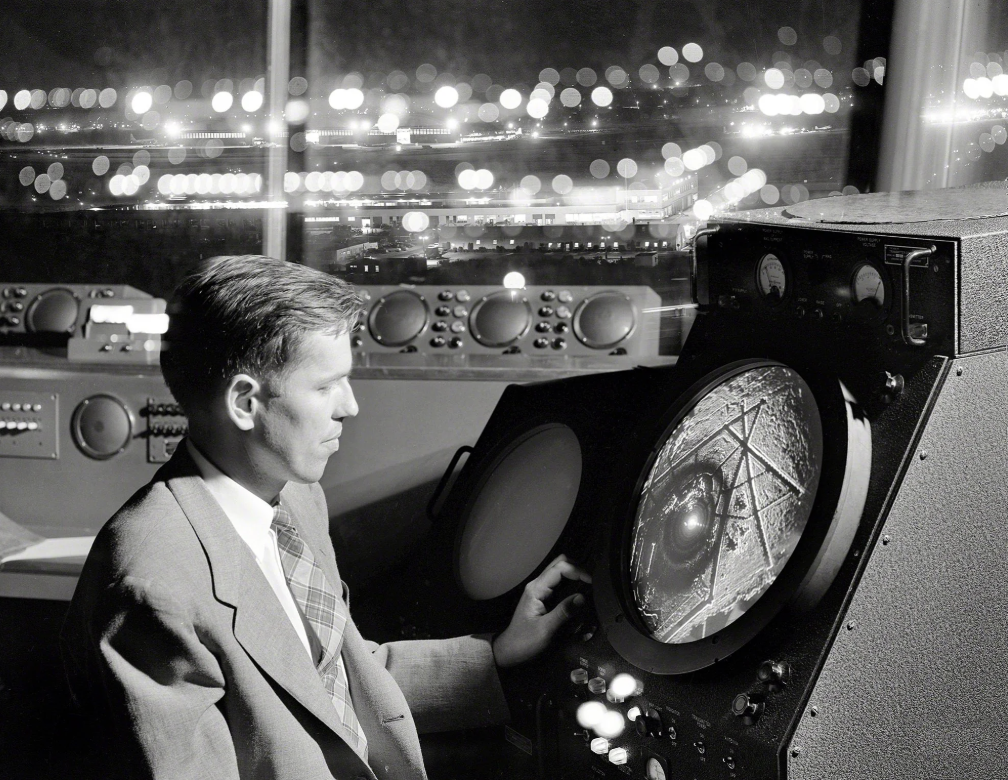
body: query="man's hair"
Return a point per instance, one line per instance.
(248, 314)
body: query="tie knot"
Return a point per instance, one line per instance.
(282, 520)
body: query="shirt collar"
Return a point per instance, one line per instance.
(249, 514)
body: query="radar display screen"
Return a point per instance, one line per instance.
(725, 503)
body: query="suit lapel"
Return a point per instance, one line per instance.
(260, 625)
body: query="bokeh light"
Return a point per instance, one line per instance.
(668, 56)
(388, 123)
(703, 209)
(570, 97)
(599, 169)
(626, 168)
(531, 184)
(602, 96)
(252, 101)
(510, 99)
(562, 184)
(222, 101)
(22, 99)
(692, 52)
(446, 96)
(142, 102)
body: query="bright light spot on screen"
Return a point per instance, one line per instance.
(562, 184)
(601, 96)
(3, 98)
(513, 280)
(812, 103)
(832, 103)
(147, 323)
(58, 190)
(570, 97)
(354, 180)
(452, 124)
(117, 184)
(107, 97)
(110, 314)
(623, 685)
(692, 52)
(674, 166)
(737, 165)
(484, 179)
(531, 184)
(467, 179)
(142, 102)
(510, 99)
(354, 98)
(252, 101)
(668, 56)
(589, 713)
(339, 99)
(774, 78)
(611, 724)
(164, 184)
(599, 168)
(446, 96)
(388, 123)
(313, 181)
(42, 183)
(488, 112)
(415, 221)
(537, 108)
(694, 159)
(142, 173)
(1000, 84)
(131, 184)
(626, 168)
(100, 165)
(703, 209)
(296, 111)
(291, 181)
(221, 102)
(985, 87)
(22, 99)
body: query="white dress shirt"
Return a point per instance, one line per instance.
(252, 518)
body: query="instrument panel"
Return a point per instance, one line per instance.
(537, 320)
(54, 310)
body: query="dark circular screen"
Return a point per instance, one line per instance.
(500, 319)
(519, 511)
(54, 311)
(398, 318)
(725, 503)
(604, 320)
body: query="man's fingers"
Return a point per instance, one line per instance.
(556, 571)
(563, 612)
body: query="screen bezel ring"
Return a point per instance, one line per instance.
(615, 604)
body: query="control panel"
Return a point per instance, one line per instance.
(539, 320)
(895, 291)
(28, 425)
(53, 310)
(166, 425)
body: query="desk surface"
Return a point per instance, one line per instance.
(46, 570)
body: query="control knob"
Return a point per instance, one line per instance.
(649, 723)
(776, 674)
(748, 707)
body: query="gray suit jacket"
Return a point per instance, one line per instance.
(177, 644)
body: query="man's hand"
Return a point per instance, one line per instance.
(532, 626)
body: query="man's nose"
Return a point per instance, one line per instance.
(348, 405)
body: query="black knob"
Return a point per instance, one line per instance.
(545, 311)
(541, 343)
(356, 341)
(445, 295)
(455, 342)
(649, 723)
(548, 295)
(562, 327)
(774, 673)
(440, 326)
(442, 311)
(16, 306)
(559, 343)
(543, 327)
(20, 292)
(437, 341)
(748, 706)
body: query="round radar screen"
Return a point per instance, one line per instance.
(725, 503)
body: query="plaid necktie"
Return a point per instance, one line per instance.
(326, 614)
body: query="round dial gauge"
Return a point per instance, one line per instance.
(867, 285)
(771, 277)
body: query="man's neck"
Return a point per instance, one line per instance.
(232, 461)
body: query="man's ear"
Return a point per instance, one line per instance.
(242, 400)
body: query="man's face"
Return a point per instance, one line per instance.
(302, 413)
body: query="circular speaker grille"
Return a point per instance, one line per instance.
(604, 320)
(725, 503)
(54, 311)
(398, 318)
(501, 319)
(102, 426)
(519, 511)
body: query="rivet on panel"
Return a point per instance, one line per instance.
(795, 752)
(850, 626)
(885, 539)
(813, 711)
(923, 455)
(959, 371)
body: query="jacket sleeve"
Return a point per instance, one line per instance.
(162, 686)
(449, 684)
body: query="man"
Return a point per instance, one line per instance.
(210, 633)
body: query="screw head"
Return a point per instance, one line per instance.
(814, 711)
(923, 455)
(795, 752)
(885, 539)
(850, 625)
(959, 371)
